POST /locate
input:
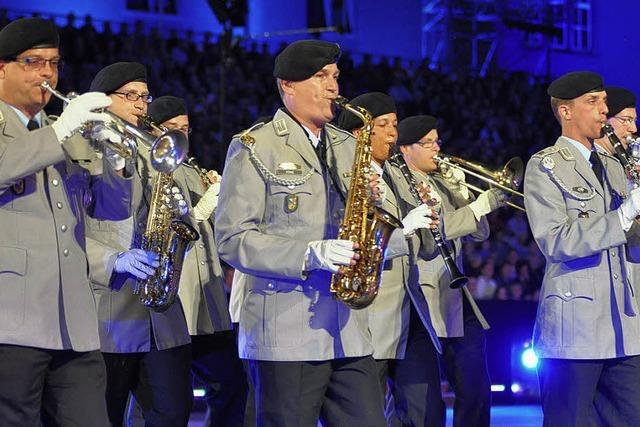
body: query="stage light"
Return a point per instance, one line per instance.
(498, 387)
(529, 359)
(516, 388)
(198, 392)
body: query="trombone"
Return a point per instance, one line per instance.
(507, 179)
(167, 151)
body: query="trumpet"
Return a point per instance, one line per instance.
(166, 151)
(507, 179)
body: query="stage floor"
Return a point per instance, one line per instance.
(501, 416)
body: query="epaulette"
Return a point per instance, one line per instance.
(545, 152)
(335, 132)
(245, 137)
(548, 158)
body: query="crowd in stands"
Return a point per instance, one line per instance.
(228, 84)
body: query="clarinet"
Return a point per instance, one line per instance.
(457, 278)
(622, 155)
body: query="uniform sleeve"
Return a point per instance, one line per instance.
(560, 237)
(238, 224)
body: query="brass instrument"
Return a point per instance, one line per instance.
(357, 285)
(457, 278)
(507, 179)
(166, 151)
(167, 236)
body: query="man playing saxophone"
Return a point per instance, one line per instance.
(146, 352)
(309, 355)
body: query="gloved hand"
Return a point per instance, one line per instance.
(488, 201)
(455, 179)
(329, 255)
(79, 111)
(377, 189)
(421, 217)
(175, 200)
(208, 203)
(137, 262)
(630, 208)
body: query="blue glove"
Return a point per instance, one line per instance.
(137, 262)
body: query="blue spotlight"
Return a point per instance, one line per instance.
(529, 359)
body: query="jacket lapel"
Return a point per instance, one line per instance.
(581, 165)
(296, 138)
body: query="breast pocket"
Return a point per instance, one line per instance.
(569, 312)
(13, 267)
(286, 203)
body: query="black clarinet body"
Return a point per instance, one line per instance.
(622, 154)
(457, 278)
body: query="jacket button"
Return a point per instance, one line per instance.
(613, 253)
(615, 276)
(55, 182)
(202, 262)
(63, 227)
(65, 252)
(201, 246)
(583, 204)
(59, 205)
(568, 294)
(270, 286)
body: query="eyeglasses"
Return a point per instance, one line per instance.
(35, 63)
(185, 129)
(133, 97)
(429, 144)
(627, 121)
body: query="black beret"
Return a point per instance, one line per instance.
(27, 33)
(166, 108)
(377, 103)
(619, 98)
(302, 59)
(575, 84)
(114, 76)
(414, 128)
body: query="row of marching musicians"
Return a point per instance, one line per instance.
(87, 291)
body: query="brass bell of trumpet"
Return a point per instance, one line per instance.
(507, 179)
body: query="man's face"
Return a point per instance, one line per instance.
(588, 113)
(624, 124)
(21, 79)
(180, 123)
(420, 155)
(310, 100)
(127, 109)
(383, 136)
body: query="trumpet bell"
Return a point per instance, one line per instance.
(512, 173)
(169, 150)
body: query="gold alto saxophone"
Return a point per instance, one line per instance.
(165, 235)
(370, 227)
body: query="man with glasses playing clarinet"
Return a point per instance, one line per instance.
(51, 370)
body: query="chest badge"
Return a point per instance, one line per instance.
(291, 203)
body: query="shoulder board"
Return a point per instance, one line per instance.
(245, 136)
(336, 132)
(545, 152)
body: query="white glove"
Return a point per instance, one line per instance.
(208, 203)
(79, 111)
(328, 254)
(175, 201)
(137, 262)
(455, 178)
(419, 217)
(488, 201)
(630, 208)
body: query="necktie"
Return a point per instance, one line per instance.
(33, 125)
(596, 166)
(320, 150)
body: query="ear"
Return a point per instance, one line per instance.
(357, 133)
(564, 111)
(2, 69)
(287, 86)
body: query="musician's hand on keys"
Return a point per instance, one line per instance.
(139, 263)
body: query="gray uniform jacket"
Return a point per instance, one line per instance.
(587, 308)
(457, 223)
(45, 297)
(263, 229)
(389, 314)
(125, 325)
(202, 294)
